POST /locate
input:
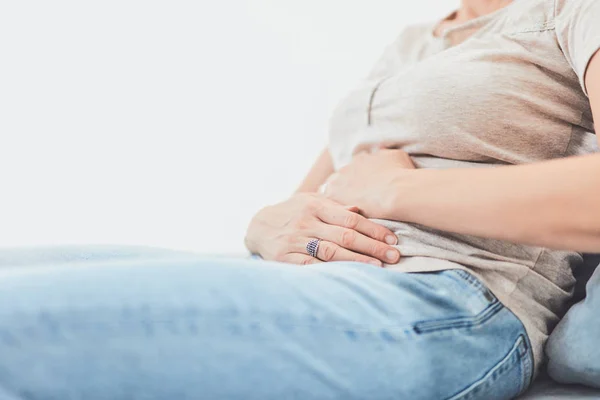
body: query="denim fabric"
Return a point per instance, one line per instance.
(158, 325)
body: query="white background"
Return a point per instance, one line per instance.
(169, 123)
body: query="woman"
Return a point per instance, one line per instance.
(470, 287)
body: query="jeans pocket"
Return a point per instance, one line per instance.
(506, 380)
(473, 283)
(483, 305)
(465, 322)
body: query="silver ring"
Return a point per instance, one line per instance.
(313, 247)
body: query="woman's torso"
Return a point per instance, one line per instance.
(505, 95)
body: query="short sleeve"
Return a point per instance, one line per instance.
(578, 32)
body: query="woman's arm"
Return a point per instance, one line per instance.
(553, 204)
(318, 174)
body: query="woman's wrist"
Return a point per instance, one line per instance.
(396, 202)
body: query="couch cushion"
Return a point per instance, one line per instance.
(573, 348)
(546, 389)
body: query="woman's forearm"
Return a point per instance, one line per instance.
(318, 174)
(553, 204)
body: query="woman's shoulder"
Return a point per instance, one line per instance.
(416, 35)
(409, 47)
(576, 11)
(556, 9)
(416, 41)
(419, 31)
(561, 6)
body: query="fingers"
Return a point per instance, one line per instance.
(300, 259)
(345, 236)
(330, 252)
(339, 216)
(358, 243)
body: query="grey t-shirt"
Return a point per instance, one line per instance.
(506, 88)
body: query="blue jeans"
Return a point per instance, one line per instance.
(106, 323)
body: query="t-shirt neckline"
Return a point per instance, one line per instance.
(478, 21)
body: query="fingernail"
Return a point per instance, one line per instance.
(391, 255)
(391, 240)
(376, 263)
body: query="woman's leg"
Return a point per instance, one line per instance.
(182, 327)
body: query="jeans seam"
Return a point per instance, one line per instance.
(497, 370)
(460, 322)
(530, 359)
(475, 283)
(183, 325)
(527, 367)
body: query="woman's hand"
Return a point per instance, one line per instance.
(367, 180)
(281, 233)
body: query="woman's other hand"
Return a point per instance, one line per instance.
(281, 233)
(366, 181)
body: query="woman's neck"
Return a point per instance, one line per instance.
(471, 9)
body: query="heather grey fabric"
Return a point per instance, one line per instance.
(506, 88)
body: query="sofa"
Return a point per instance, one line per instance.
(545, 388)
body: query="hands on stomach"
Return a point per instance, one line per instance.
(282, 231)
